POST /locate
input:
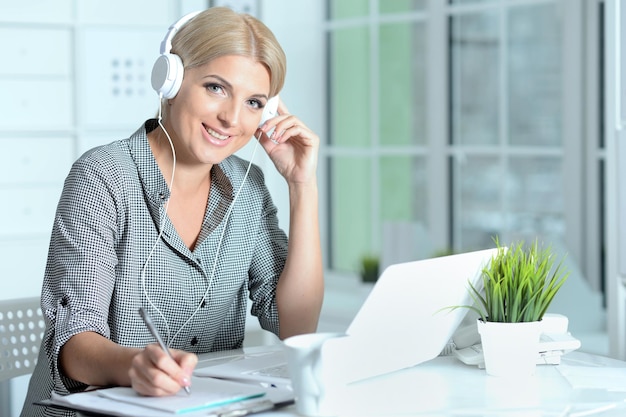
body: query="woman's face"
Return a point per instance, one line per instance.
(218, 109)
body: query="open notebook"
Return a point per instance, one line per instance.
(403, 322)
(209, 396)
(208, 393)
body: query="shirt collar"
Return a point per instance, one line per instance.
(155, 186)
(226, 177)
(227, 174)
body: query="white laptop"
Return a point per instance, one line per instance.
(266, 365)
(404, 321)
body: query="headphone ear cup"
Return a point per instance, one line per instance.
(167, 75)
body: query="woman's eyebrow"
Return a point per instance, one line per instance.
(220, 79)
(263, 96)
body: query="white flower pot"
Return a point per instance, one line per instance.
(510, 349)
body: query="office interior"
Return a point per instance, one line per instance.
(444, 123)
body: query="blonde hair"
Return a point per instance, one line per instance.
(220, 31)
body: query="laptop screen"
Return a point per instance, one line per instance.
(406, 320)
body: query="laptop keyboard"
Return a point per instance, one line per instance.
(277, 371)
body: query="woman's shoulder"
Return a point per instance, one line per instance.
(113, 152)
(110, 163)
(236, 167)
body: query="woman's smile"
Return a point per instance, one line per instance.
(216, 135)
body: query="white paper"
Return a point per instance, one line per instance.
(206, 394)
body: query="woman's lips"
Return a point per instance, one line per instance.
(216, 135)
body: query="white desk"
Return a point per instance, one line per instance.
(446, 387)
(582, 385)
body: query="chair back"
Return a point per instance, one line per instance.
(21, 330)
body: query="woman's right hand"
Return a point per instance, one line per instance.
(154, 373)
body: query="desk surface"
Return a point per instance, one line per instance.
(583, 384)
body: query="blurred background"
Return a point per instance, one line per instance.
(444, 123)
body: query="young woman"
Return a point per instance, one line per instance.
(170, 220)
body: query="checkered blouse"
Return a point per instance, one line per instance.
(106, 224)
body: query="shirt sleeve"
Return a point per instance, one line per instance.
(80, 270)
(270, 255)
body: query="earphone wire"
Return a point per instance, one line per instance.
(219, 244)
(161, 222)
(169, 340)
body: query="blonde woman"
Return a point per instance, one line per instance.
(170, 220)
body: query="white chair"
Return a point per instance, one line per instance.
(21, 330)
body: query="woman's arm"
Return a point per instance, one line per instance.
(95, 360)
(293, 148)
(79, 282)
(300, 288)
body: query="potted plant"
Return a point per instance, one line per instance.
(515, 290)
(370, 265)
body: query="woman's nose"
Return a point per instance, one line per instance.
(229, 115)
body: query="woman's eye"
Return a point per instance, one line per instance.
(256, 104)
(215, 88)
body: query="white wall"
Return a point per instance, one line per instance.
(298, 27)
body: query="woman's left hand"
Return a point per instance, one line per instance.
(292, 146)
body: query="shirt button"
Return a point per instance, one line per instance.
(203, 304)
(194, 341)
(64, 301)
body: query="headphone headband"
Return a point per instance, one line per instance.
(166, 44)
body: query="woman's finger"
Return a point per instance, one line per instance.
(155, 373)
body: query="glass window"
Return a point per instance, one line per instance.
(516, 198)
(396, 6)
(350, 91)
(402, 84)
(369, 189)
(534, 75)
(341, 9)
(475, 90)
(506, 92)
(477, 205)
(534, 196)
(403, 182)
(351, 211)
(484, 98)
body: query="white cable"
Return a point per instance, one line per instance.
(161, 222)
(219, 245)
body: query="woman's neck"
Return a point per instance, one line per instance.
(187, 177)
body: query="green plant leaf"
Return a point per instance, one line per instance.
(518, 284)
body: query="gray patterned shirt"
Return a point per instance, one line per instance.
(105, 261)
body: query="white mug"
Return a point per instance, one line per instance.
(313, 383)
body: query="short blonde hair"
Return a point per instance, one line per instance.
(219, 31)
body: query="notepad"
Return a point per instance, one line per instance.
(206, 393)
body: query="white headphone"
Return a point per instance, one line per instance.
(167, 77)
(167, 72)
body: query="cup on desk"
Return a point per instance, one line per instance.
(315, 386)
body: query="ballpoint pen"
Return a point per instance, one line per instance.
(146, 319)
